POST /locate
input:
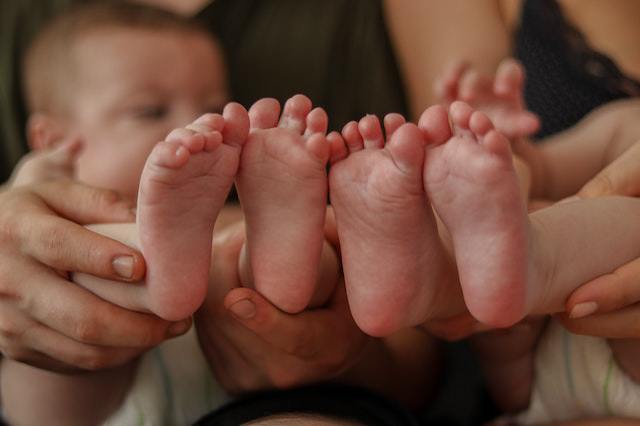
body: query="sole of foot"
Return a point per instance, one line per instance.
(472, 184)
(183, 187)
(388, 235)
(282, 185)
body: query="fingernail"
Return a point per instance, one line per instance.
(243, 309)
(582, 310)
(123, 265)
(179, 328)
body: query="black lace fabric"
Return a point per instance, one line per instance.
(566, 78)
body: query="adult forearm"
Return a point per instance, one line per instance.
(576, 155)
(34, 396)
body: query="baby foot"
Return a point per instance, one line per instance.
(282, 185)
(388, 236)
(473, 186)
(501, 97)
(183, 187)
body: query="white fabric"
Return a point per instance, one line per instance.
(577, 377)
(173, 386)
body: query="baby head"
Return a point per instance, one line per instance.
(119, 77)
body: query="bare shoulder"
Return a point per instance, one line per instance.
(511, 11)
(624, 114)
(610, 27)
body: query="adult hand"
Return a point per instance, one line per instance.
(621, 177)
(609, 305)
(251, 345)
(47, 321)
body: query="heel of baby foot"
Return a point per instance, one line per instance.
(502, 312)
(292, 301)
(176, 306)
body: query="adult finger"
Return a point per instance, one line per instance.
(84, 204)
(74, 354)
(29, 342)
(312, 334)
(234, 363)
(473, 86)
(67, 246)
(607, 293)
(73, 311)
(620, 324)
(509, 79)
(446, 86)
(29, 226)
(621, 177)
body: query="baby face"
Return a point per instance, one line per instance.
(131, 88)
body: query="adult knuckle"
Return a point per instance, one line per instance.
(149, 336)
(301, 345)
(15, 352)
(7, 280)
(93, 359)
(88, 330)
(106, 197)
(52, 240)
(336, 360)
(98, 197)
(243, 383)
(9, 226)
(8, 328)
(283, 378)
(602, 185)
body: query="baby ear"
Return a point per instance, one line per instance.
(43, 131)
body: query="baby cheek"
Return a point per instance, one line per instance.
(112, 170)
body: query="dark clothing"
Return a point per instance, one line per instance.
(335, 51)
(329, 401)
(19, 22)
(566, 79)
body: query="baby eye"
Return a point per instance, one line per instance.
(151, 112)
(213, 107)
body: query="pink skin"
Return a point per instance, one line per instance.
(54, 163)
(500, 97)
(470, 180)
(282, 185)
(184, 185)
(388, 235)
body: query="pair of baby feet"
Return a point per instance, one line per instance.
(383, 194)
(396, 265)
(279, 165)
